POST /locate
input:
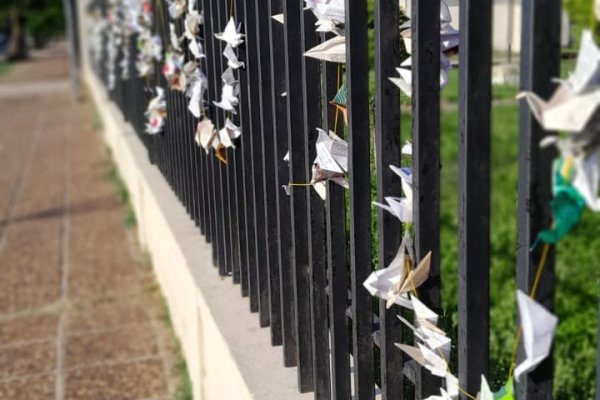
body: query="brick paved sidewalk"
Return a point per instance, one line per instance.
(80, 316)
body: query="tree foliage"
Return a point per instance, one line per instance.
(42, 19)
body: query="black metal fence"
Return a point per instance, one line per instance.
(302, 261)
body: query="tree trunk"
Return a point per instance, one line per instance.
(17, 46)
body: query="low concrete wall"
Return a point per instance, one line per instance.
(229, 357)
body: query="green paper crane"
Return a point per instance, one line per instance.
(567, 204)
(506, 393)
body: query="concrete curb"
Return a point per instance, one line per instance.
(228, 355)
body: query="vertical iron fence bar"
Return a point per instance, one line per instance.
(199, 187)
(233, 264)
(213, 85)
(294, 45)
(213, 80)
(359, 145)
(215, 163)
(279, 104)
(387, 150)
(189, 151)
(316, 216)
(220, 175)
(224, 169)
(251, 269)
(474, 192)
(263, 22)
(337, 261)
(208, 226)
(242, 238)
(257, 190)
(540, 62)
(180, 170)
(426, 159)
(193, 155)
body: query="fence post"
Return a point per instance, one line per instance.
(357, 64)
(279, 104)
(298, 201)
(387, 150)
(337, 259)
(474, 192)
(540, 62)
(426, 158)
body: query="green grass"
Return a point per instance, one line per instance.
(451, 92)
(4, 68)
(184, 388)
(577, 271)
(112, 175)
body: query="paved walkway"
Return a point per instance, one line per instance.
(80, 314)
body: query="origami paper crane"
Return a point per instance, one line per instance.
(330, 15)
(279, 18)
(205, 134)
(449, 42)
(331, 162)
(232, 60)
(506, 392)
(147, 12)
(587, 179)
(192, 23)
(394, 282)
(174, 39)
(574, 104)
(197, 86)
(401, 207)
(229, 92)
(567, 204)
(404, 82)
(485, 393)
(449, 36)
(231, 34)
(565, 111)
(539, 327)
(427, 333)
(426, 358)
(340, 102)
(173, 71)
(229, 133)
(332, 50)
(156, 113)
(452, 386)
(176, 8)
(149, 51)
(586, 76)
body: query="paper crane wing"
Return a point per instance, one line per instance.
(332, 50)
(587, 69)
(417, 276)
(564, 111)
(539, 327)
(587, 180)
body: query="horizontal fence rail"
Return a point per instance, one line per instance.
(301, 260)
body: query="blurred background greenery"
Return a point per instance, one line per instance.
(26, 23)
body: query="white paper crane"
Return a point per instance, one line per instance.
(400, 207)
(332, 50)
(231, 34)
(232, 60)
(539, 326)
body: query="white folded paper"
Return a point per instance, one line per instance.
(539, 326)
(231, 34)
(332, 50)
